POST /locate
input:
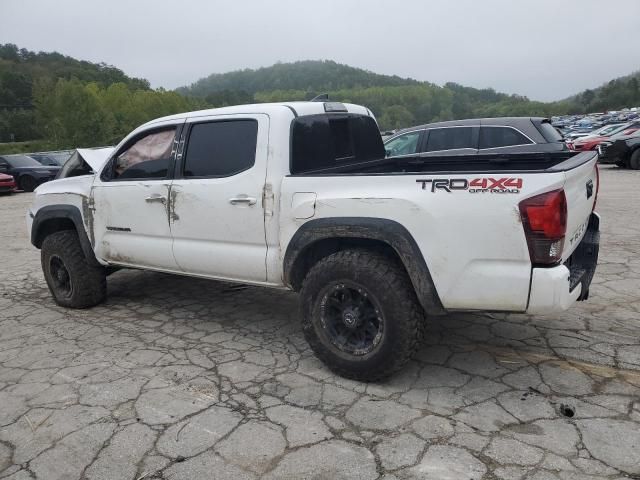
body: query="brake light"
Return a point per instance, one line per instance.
(544, 218)
(595, 200)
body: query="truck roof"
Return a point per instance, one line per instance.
(297, 109)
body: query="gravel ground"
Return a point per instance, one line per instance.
(180, 378)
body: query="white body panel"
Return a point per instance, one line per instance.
(130, 230)
(473, 243)
(213, 236)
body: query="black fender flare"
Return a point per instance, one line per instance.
(387, 231)
(67, 212)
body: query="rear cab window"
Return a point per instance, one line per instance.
(324, 141)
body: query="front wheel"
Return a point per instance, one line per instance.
(72, 280)
(360, 314)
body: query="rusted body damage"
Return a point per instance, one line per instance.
(319, 237)
(171, 206)
(87, 215)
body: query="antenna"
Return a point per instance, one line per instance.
(323, 97)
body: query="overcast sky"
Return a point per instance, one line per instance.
(545, 49)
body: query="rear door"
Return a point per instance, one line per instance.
(217, 216)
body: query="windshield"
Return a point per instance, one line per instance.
(619, 128)
(45, 160)
(17, 161)
(607, 129)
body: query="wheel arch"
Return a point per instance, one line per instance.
(55, 218)
(319, 238)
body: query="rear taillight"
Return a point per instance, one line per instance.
(544, 218)
(595, 200)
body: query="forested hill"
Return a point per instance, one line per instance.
(21, 68)
(63, 102)
(615, 94)
(308, 75)
(396, 101)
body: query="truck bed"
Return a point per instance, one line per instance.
(462, 211)
(472, 163)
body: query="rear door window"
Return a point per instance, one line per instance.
(319, 142)
(450, 138)
(221, 148)
(495, 137)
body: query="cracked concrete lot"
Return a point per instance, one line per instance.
(179, 378)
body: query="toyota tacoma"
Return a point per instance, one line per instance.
(300, 196)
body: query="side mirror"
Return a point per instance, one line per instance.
(387, 153)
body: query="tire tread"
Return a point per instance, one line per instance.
(90, 283)
(409, 320)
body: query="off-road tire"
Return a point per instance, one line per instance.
(634, 161)
(27, 183)
(87, 283)
(385, 280)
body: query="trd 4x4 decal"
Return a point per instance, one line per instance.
(477, 185)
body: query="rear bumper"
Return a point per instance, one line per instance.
(556, 289)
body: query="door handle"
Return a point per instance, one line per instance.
(242, 199)
(156, 198)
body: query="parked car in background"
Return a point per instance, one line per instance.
(51, 158)
(624, 152)
(607, 129)
(28, 172)
(480, 135)
(7, 183)
(590, 142)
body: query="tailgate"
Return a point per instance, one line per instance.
(580, 188)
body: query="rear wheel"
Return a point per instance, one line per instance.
(634, 161)
(28, 183)
(72, 280)
(360, 314)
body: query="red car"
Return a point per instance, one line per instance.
(590, 143)
(7, 183)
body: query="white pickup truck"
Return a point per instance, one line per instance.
(300, 196)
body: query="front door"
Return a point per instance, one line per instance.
(131, 200)
(217, 216)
